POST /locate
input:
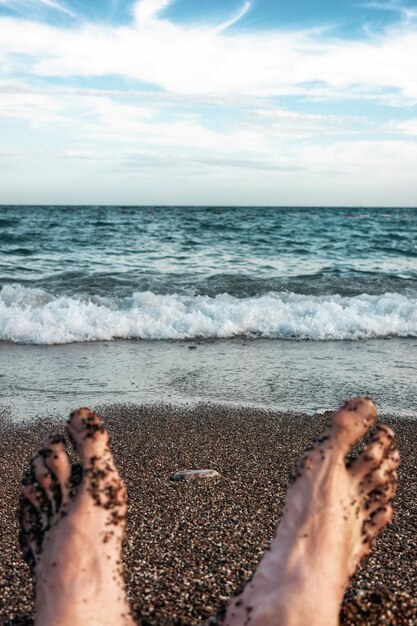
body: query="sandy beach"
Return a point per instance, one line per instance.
(190, 547)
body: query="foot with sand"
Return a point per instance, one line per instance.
(73, 524)
(333, 514)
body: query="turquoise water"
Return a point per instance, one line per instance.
(98, 273)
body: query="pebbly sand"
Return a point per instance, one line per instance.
(190, 546)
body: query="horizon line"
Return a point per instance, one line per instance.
(211, 206)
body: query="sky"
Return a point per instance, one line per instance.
(208, 102)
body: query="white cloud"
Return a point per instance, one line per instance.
(36, 108)
(85, 155)
(147, 10)
(360, 158)
(275, 137)
(103, 118)
(190, 59)
(408, 127)
(305, 125)
(43, 109)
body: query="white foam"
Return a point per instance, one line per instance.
(36, 317)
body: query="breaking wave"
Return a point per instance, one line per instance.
(34, 316)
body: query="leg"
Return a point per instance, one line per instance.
(333, 514)
(72, 526)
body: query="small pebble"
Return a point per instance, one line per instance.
(187, 475)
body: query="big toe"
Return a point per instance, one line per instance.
(88, 434)
(349, 423)
(100, 475)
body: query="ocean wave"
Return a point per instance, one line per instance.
(34, 316)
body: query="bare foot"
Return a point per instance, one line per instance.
(72, 526)
(332, 516)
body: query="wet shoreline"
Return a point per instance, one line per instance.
(190, 546)
(304, 376)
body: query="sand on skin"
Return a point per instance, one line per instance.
(190, 546)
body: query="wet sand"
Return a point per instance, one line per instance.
(191, 546)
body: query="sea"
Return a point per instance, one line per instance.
(287, 308)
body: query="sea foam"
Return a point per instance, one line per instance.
(34, 316)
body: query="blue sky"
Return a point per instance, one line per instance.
(208, 102)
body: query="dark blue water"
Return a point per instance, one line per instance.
(93, 273)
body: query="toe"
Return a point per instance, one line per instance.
(57, 461)
(30, 535)
(34, 512)
(39, 489)
(381, 496)
(42, 474)
(381, 476)
(88, 433)
(31, 491)
(351, 422)
(382, 448)
(33, 495)
(377, 522)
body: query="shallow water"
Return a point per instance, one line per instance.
(297, 376)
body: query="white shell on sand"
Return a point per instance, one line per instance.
(186, 475)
